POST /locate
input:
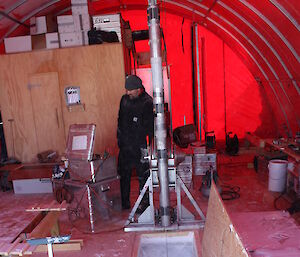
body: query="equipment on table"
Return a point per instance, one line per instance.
(210, 175)
(184, 135)
(210, 139)
(232, 144)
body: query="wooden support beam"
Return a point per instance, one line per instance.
(19, 249)
(43, 229)
(53, 206)
(59, 247)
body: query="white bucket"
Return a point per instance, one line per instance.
(277, 175)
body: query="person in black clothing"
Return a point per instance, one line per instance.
(135, 123)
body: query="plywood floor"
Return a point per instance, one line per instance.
(234, 171)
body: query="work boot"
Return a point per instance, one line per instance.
(126, 205)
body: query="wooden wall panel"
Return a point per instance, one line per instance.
(46, 106)
(220, 237)
(100, 74)
(98, 70)
(15, 104)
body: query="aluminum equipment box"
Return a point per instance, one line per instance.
(103, 169)
(94, 204)
(203, 162)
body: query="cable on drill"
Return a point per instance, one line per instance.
(230, 192)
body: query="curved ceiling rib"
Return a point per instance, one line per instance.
(286, 13)
(252, 45)
(274, 28)
(252, 57)
(242, 45)
(25, 18)
(13, 7)
(265, 41)
(257, 50)
(250, 42)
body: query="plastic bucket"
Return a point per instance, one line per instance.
(277, 175)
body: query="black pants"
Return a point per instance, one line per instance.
(126, 162)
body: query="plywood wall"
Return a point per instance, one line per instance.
(98, 71)
(220, 237)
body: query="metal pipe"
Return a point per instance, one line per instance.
(90, 208)
(198, 82)
(160, 131)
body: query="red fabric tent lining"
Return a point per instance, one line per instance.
(267, 8)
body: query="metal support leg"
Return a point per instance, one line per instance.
(50, 250)
(90, 208)
(192, 200)
(147, 185)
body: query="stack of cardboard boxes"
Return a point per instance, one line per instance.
(41, 36)
(73, 29)
(46, 32)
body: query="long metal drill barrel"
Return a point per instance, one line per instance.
(160, 131)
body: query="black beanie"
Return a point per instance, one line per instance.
(133, 82)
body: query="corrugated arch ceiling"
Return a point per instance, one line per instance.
(264, 34)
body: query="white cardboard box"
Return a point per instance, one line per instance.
(75, 22)
(106, 19)
(80, 7)
(18, 44)
(82, 22)
(73, 39)
(52, 40)
(32, 186)
(108, 22)
(42, 25)
(79, 1)
(65, 23)
(38, 25)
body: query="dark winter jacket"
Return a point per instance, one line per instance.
(135, 122)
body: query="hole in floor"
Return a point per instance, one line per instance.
(168, 244)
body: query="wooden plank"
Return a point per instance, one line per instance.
(43, 229)
(19, 249)
(6, 248)
(59, 247)
(37, 219)
(53, 206)
(30, 250)
(220, 237)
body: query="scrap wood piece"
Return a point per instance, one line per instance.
(6, 248)
(76, 246)
(43, 229)
(220, 237)
(53, 206)
(30, 250)
(19, 249)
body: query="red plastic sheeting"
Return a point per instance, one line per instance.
(246, 106)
